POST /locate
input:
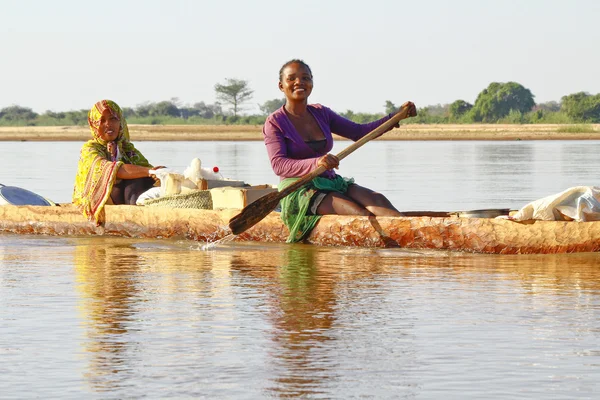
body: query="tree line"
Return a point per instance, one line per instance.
(508, 102)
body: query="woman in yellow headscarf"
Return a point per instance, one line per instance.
(111, 170)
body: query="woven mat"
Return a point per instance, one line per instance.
(195, 199)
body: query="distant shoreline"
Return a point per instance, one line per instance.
(140, 133)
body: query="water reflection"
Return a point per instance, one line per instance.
(316, 310)
(563, 274)
(308, 321)
(300, 309)
(107, 280)
(327, 306)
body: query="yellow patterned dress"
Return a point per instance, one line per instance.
(99, 162)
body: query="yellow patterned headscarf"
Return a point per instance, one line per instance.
(99, 162)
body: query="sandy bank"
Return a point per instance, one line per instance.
(254, 132)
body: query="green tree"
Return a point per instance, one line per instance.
(271, 105)
(498, 99)
(234, 92)
(208, 111)
(349, 114)
(77, 117)
(128, 112)
(582, 107)
(202, 110)
(360, 118)
(143, 110)
(54, 115)
(165, 108)
(390, 107)
(216, 108)
(459, 108)
(17, 113)
(438, 110)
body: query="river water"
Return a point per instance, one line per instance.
(113, 318)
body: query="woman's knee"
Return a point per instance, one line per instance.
(338, 204)
(117, 195)
(135, 187)
(367, 197)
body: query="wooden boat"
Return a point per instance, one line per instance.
(442, 231)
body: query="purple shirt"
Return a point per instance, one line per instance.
(290, 156)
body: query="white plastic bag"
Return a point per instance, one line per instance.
(170, 181)
(195, 172)
(152, 193)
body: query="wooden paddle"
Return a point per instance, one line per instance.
(259, 209)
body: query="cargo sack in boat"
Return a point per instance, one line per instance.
(152, 193)
(16, 196)
(201, 199)
(578, 203)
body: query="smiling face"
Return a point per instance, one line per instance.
(110, 126)
(296, 82)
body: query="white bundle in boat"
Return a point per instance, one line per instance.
(195, 172)
(194, 177)
(170, 181)
(207, 178)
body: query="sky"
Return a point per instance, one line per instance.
(67, 54)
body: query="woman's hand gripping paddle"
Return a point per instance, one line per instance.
(259, 209)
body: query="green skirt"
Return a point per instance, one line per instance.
(294, 207)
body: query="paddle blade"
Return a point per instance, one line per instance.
(254, 212)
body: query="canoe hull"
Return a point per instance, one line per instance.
(481, 235)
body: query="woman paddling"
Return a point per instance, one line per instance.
(111, 170)
(298, 137)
